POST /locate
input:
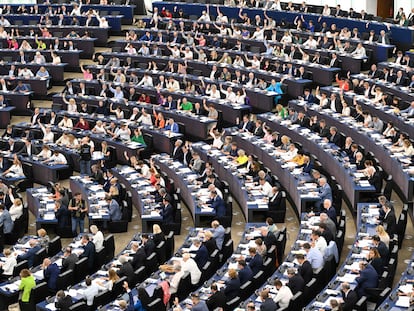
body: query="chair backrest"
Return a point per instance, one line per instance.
(79, 306)
(109, 244)
(81, 269)
(39, 292)
(55, 246)
(151, 263)
(39, 256)
(65, 279)
(161, 252)
(140, 275)
(102, 299)
(100, 257)
(19, 267)
(169, 244)
(184, 286)
(117, 287)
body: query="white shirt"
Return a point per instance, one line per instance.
(191, 266)
(146, 81)
(66, 123)
(98, 240)
(9, 265)
(321, 244)
(60, 158)
(145, 119)
(283, 296)
(16, 211)
(266, 189)
(90, 292)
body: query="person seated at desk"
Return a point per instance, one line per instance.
(39, 59)
(45, 153)
(63, 302)
(82, 124)
(28, 149)
(7, 266)
(367, 278)
(66, 123)
(232, 285)
(114, 209)
(21, 87)
(30, 254)
(217, 203)
(15, 170)
(349, 297)
(57, 158)
(91, 290)
(314, 256)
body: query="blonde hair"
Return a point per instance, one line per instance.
(41, 232)
(94, 229)
(112, 276)
(156, 229)
(232, 273)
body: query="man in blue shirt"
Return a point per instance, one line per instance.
(172, 126)
(114, 209)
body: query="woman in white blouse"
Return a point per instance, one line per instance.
(99, 128)
(213, 92)
(240, 96)
(65, 123)
(45, 153)
(16, 210)
(377, 93)
(16, 169)
(72, 107)
(98, 238)
(346, 111)
(326, 11)
(8, 265)
(106, 283)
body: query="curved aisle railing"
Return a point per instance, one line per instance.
(371, 140)
(366, 224)
(327, 153)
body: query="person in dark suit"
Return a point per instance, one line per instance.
(255, 260)
(305, 269)
(296, 282)
(307, 165)
(267, 303)
(167, 212)
(245, 273)
(69, 260)
(177, 153)
(148, 244)
(382, 248)
(335, 138)
(258, 129)
(308, 96)
(138, 258)
(209, 242)
(201, 255)
(389, 220)
(334, 62)
(276, 199)
(217, 203)
(88, 251)
(28, 149)
(217, 298)
(302, 120)
(63, 301)
(126, 269)
(268, 237)
(30, 254)
(50, 273)
(246, 125)
(368, 278)
(349, 297)
(232, 288)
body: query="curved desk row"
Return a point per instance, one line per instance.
(86, 46)
(372, 141)
(403, 36)
(327, 153)
(366, 224)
